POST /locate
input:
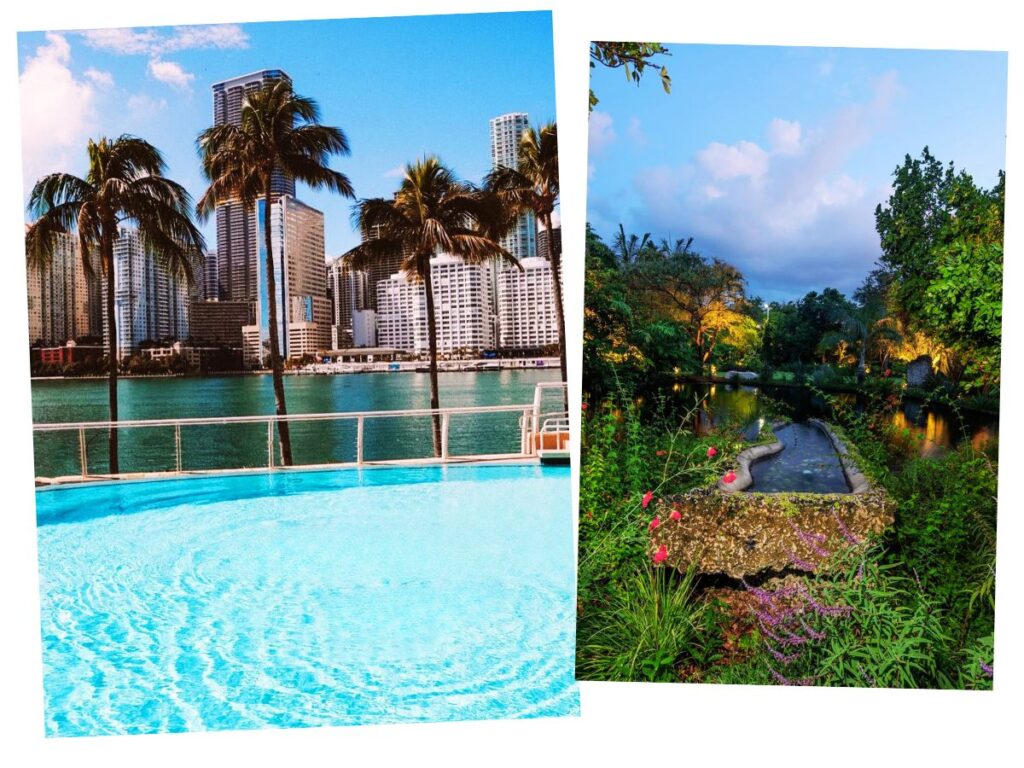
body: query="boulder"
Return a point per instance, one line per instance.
(919, 371)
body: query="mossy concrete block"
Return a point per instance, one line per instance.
(744, 534)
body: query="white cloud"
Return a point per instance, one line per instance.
(123, 41)
(141, 106)
(153, 42)
(636, 132)
(792, 216)
(398, 172)
(600, 132)
(784, 136)
(170, 72)
(743, 159)
(57, 111)
(100, 78)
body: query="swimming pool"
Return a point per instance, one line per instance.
(295, 599)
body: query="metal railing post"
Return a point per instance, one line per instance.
(359, 440)
(83, 457)
(177, 448)
(270, 444)
(446, 419)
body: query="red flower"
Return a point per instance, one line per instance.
(675, 515)
(647, 499)
(729, 477)
(661, 555)
(659, 453)
(712, 452)
(654, 524)
(584, 406)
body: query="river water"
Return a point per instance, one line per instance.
(932, 428)
(245, 445)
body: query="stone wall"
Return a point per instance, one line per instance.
(744, 534)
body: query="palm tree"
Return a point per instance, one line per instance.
(279, 133)
(124, 182)
(533, 186)
(865, 326)
(432, 212)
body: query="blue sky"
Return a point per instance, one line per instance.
(774, 158)
(398, 87)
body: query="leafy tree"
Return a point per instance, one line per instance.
(632, 58)
(124, 182)
(279, 133)
(432, 212)
(941, 238)
(534, 186)
(705, 296)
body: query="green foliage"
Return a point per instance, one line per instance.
(946, 530)
(893, 637)
(646, 628)
(941, 238)
(632, 58)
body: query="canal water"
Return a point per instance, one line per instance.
(934, 428)
(245, 445)
(807, 464)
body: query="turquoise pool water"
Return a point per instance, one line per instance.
(307, 599)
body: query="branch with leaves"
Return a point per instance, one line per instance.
(632, 58)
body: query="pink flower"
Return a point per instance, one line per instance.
(729, 477)
(661, 555)
(712, 452)
(584, 406)
(675, 515)
(654, 524)
(647, 499)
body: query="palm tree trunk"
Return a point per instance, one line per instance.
(276, 363)
(556, 279)
(108, 258)
(435, 400)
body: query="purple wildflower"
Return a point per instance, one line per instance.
(780, 678)
(802, 564)
(844, 530)
(870, 680)
(812, 633)
(986, 668)
(781, 657)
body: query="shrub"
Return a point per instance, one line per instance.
(644, 630)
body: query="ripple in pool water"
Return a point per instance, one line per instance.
(342, 598)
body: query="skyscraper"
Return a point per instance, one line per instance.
(236, 235)
(347, 290)
(61, 295)
(526, 305)
(149, 303)
(506, 131)
(462, 311)
(303, 309)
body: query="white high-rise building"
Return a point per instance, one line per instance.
(527, 317)
(61, 295)
(506, 131)
(149, 304)
(462, 309)
(303, 308)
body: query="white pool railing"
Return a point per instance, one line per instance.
(531, 420)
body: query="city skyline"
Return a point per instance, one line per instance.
(113, 81)
(774, 158)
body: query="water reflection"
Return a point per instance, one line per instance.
(928, 429)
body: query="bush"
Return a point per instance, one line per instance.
(644, 630)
